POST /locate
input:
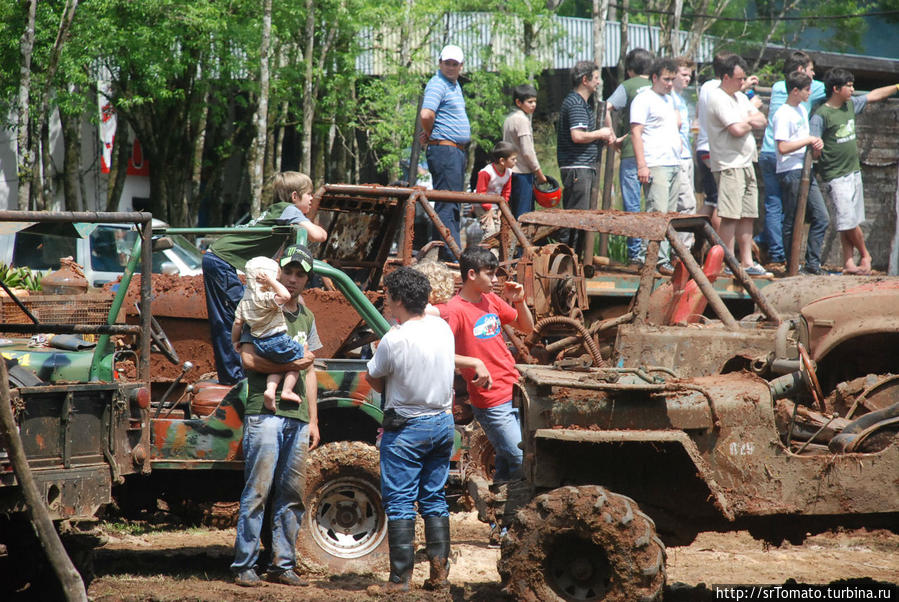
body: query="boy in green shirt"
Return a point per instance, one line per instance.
(834, 123)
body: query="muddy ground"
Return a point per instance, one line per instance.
(173, 563)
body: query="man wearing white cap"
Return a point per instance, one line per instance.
(446, 132)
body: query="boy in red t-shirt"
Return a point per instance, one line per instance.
(496, 178)
(476, 315)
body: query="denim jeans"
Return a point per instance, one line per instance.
(223, 292)
(521, 198)
(447, 167)
(630, 200)
(815, 211)
(415, 466)
(772, 235)
(274, 451)
(503, 429)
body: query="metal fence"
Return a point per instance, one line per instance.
(490, 40)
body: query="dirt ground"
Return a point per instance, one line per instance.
(192, 564)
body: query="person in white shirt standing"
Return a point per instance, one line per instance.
(791, 137)
(729, 121)
(655, 131)
(413, 368)
(686, 195)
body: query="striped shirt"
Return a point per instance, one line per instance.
(450, 120)
(575, 114)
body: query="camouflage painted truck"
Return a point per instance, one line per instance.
(622, 459)
(82, 429)
(196, 458)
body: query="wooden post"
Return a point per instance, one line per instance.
(799, 219)
(72, 585)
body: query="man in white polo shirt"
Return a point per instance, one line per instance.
(655, 124)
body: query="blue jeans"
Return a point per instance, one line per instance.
(630, 200)
(503, 429)
(279, 348)
(447, 167)
(223, 292)
(521, 198)
(274, 449)
(815, 211)
(772, 235)
(415, 466)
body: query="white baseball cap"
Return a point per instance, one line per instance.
(452, 52)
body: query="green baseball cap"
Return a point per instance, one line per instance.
(298, 254)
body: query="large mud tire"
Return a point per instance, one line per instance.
(582, 543)
(344, 528)
(479, 457)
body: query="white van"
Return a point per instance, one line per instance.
(103, 253)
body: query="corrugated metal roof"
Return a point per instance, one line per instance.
(488, 38)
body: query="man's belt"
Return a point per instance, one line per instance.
(432, 142)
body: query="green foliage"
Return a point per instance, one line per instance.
(20, 278)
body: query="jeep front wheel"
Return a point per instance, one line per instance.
(582, 543)
(344, 528)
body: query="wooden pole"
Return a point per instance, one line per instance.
(799, 219)
(600, 15)
(38, 514)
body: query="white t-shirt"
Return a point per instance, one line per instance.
(727, 151)
(790, 124)
(702, 138)
(417, 358)
(658, 115)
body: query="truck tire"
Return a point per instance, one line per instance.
(582, 543)
(480, 457)
(344, 528)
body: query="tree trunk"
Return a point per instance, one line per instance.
(24, 150)
(622, 52)
(43, 117)
(600, 14)
(308, 97)
(256, 159)
(71, 165)
(118, 169)
(675, 27)
(192, 202)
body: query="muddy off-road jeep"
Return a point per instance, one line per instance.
(621, 460)
(196, 455)
(82, 430)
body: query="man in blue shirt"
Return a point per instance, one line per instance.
(446, 132)
(772, 234)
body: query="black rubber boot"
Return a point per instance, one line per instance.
(400, 538)
(437, 544)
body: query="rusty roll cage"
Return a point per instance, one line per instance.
(399, 205)
(656, 227)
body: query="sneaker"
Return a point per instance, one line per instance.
(726, 272)
(635, 263)
(757, 270)
(286, 578)
(810, 271)
(247, 578)
(665, 269)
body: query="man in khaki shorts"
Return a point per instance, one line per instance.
(730, 119)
